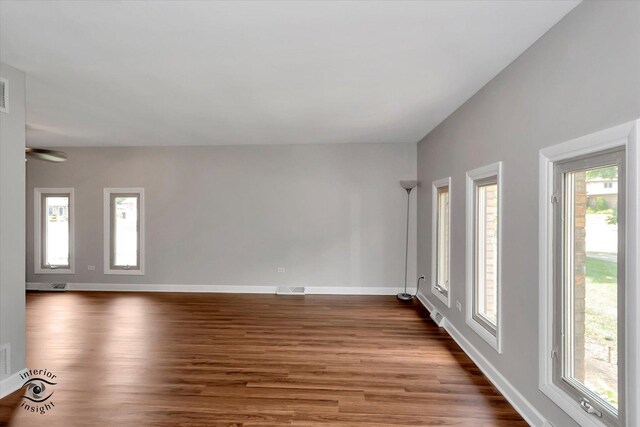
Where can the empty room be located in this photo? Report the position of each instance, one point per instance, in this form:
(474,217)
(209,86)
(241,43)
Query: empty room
(320,213)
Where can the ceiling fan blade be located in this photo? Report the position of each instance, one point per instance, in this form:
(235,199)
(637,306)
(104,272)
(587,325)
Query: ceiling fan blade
(46,155)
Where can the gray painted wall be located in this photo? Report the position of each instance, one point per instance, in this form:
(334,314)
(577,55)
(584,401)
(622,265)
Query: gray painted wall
(580,77)
(332,215)
(12,226)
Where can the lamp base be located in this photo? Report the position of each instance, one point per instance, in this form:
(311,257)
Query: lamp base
(404,296)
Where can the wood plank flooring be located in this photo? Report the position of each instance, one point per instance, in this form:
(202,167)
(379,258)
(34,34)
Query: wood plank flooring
(151,359)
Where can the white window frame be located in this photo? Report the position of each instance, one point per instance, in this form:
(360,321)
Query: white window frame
(38,236)
(625,135)
(479,174)
(445,298)
(107,231)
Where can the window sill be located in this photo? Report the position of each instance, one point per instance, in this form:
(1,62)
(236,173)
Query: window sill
(570,406)
(492,340)
(441,296)
(53,271)
(124,272)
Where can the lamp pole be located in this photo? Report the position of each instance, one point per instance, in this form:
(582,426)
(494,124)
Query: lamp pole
(408,186)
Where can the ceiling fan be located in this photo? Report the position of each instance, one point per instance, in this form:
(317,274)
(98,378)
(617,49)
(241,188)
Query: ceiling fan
(44,154)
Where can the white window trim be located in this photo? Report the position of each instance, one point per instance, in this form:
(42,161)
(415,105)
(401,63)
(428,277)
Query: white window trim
(444,182)
(37,229)
(494,169)
(107,231)
(625,135)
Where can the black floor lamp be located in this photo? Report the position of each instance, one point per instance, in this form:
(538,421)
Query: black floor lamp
(407,185)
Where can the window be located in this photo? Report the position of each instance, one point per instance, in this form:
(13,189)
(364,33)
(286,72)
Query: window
(483,252)
(124,231)
(440,249)
(588,276)
(589,284)
(53,226)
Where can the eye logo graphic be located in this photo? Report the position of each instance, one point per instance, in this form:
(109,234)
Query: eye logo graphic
(39,389)
(36,389)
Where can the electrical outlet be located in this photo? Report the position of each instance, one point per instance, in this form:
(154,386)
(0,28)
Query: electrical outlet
(281,270)
(459,305)
(91,267)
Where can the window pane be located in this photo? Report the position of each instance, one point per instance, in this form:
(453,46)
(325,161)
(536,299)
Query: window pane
(125,236)
(487,251)
(442,272)
(591,278)
(56,226)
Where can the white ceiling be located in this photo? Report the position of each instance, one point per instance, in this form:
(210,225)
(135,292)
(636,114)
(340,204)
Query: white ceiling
(105,73)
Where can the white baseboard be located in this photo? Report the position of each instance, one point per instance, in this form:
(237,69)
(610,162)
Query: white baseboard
(233,289)
(352,290)
(517,400)
(427,304)
(128,287)
(12,383)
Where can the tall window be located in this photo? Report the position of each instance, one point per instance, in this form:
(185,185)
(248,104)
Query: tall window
(440,237)
(589,291)
(53,226)
(483,252)
(589,276)
(124,230)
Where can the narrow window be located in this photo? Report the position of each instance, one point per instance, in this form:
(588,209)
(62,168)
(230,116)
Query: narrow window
(589,282)
(440,246)
(53,243)
(483,252)
(124,245)
(486,251)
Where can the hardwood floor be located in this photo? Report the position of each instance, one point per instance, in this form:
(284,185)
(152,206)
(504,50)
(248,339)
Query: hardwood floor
(151,359)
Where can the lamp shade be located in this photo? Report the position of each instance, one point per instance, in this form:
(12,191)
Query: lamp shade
(408,185)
